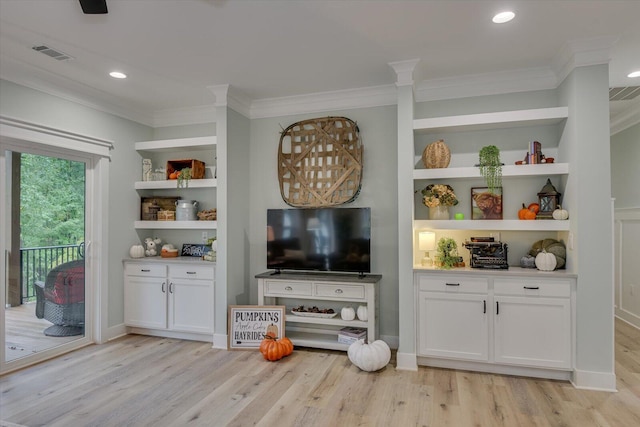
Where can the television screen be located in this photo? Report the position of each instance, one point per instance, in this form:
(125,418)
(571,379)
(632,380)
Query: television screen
(327,239)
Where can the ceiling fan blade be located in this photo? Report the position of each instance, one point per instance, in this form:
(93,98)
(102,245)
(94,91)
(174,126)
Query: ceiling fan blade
(94,7)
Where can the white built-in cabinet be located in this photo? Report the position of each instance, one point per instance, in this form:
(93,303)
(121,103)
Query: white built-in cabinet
(496,321)
(180,147)
(174,298)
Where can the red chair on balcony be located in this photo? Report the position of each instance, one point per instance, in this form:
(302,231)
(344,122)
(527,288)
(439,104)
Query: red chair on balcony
(60,299)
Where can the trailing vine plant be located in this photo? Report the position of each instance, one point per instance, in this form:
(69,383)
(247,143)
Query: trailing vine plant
(491,167)
(183,178)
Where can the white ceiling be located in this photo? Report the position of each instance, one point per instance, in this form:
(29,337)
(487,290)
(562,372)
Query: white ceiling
(174,50)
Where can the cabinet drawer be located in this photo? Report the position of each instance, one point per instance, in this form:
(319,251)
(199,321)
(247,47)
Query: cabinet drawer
(340,291)
(191,272)
(453,284)
(533,287)
(147,270)
(273,288)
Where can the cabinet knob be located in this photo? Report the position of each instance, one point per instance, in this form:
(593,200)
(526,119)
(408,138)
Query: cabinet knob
(171,287)
(288,288)
(163,283)
(338,291)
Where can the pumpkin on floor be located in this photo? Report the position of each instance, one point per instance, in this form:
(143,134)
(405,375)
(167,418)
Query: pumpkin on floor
(369,357)
(273,349)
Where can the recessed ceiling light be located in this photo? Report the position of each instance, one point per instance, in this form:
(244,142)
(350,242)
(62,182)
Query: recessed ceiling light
(634,74)
(503,17)
(118,75)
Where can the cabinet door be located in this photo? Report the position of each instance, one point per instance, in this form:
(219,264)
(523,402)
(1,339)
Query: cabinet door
(191,305)
(453,325)
(532,331)
(145,302)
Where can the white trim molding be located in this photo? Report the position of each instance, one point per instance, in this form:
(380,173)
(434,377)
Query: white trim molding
(625,309)
(599,381)
(627,118)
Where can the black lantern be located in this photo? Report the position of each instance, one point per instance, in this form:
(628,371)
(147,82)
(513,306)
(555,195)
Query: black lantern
(548,199)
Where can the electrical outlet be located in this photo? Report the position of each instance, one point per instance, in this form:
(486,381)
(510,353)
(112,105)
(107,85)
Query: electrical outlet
(205,236)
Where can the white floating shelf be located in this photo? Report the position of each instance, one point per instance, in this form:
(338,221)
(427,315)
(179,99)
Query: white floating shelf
(326,341)
(507,171)
(172,184)
(503,119)
(197,143)
(504,224)
(176,225)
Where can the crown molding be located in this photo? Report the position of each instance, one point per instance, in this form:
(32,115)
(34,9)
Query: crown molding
(580,53)
(629,117)
(486,84)
(184,116)
(27,75)
(404,71)
(374,96)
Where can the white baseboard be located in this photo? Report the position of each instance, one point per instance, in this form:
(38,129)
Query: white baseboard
(220,341)
(406,362)
(599,381)
(628,317)
(117,331)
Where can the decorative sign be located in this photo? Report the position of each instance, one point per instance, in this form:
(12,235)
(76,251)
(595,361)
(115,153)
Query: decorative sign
(248,324)
(195,249)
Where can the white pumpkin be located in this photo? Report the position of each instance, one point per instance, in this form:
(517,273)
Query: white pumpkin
(362,313)
(136,251)
(347,313)
(546,261)
(369,357)
(560,213)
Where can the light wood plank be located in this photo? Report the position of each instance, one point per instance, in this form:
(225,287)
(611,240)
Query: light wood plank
(138,380)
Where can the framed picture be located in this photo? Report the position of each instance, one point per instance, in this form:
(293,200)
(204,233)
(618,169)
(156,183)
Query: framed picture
(248,324)
(195,249)
(485,204)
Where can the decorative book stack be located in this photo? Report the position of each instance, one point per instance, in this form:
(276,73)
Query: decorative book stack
(349,335)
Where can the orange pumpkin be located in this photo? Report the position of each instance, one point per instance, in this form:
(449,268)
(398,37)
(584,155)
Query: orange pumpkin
(535,207)
(288,344)
(272,349)
(526,213)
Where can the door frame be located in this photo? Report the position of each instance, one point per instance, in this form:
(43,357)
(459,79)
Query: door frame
(29,137)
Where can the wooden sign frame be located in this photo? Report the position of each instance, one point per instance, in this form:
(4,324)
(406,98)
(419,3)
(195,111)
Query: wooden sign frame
(247,324)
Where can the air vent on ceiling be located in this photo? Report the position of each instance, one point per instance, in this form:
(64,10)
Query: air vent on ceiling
(55,54)
(623,93)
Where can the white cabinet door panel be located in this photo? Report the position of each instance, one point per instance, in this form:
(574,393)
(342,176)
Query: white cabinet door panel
(453,325)
(145,302)
(191,306)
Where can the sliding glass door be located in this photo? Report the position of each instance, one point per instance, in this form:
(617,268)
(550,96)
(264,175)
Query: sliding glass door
(44,240)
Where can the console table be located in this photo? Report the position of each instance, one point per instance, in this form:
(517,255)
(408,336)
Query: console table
(324,290)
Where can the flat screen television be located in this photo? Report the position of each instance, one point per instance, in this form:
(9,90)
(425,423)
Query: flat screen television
(325,239)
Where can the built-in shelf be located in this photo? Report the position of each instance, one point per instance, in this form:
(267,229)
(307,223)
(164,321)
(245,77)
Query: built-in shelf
(507,171)
(498,120)
(172,184)
(197,143)
(176,225)
(304,339)
(504,224)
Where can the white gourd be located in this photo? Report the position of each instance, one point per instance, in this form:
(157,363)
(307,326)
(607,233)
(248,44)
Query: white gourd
(560,213)
(362,313)
(347,313)
(369,357)
(136,251)
(546,261)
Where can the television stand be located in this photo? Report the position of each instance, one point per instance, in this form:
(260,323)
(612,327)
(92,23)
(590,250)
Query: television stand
(323,290)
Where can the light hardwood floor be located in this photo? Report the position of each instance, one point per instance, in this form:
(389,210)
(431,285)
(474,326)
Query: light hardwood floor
(147,381)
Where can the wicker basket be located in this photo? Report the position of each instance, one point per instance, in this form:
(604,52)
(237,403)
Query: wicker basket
(320,162)
(436,155)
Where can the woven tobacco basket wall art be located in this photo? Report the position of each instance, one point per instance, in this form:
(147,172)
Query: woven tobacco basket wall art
(320,162)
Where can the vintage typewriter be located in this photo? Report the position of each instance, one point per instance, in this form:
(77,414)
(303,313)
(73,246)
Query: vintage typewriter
(487,253)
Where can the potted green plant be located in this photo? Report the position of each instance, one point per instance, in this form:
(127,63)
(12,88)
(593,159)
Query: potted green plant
(447,253)
(491,167)
(183,178)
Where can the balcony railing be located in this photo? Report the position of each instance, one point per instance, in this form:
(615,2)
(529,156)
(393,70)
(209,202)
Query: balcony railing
(35,263)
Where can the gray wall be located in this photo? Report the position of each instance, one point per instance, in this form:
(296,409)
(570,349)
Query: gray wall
(625,167)
(379,183)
